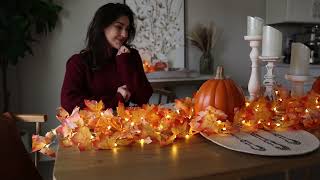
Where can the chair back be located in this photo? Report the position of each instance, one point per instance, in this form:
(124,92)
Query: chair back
(38,119)
(170,95)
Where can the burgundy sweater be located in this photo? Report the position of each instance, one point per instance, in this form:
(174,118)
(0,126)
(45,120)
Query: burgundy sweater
(81,82)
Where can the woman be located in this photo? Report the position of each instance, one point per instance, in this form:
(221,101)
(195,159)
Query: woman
(107,69)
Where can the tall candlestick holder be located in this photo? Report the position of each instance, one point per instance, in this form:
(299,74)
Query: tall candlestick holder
(254,81)
(269,78)
(297,84)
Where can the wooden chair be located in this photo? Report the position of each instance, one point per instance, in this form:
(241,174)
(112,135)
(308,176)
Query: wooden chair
(171,96)
(37,119)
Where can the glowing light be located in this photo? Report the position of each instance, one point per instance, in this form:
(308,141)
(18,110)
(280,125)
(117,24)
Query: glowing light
(307,111)
(174,151)
(275,109)
(126,119)
(282,118)
(115,144)
(247,104)
(259,122)
(132,123)
(187,136)
(219,122)
(223,129)
(280,100)
(277,92)
(168,116)
(268,123)
(141,141)
(178,111)
(160,127)
(318,106)
(278,124)
(109,127)
(256,109)
(243,121)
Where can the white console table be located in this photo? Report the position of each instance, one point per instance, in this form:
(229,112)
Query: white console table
(173,82)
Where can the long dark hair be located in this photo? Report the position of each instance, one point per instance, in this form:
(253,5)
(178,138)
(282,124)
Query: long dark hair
(97,47)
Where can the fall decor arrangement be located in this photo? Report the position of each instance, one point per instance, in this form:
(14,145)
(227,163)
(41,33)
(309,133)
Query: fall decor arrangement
(97,128)
(204,37)
(316,85)
(221,93)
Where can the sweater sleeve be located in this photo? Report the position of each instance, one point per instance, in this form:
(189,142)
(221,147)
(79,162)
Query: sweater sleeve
(130,69)
(75,88)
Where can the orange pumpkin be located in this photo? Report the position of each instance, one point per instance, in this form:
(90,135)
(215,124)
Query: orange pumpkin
(316,85)
(221,93)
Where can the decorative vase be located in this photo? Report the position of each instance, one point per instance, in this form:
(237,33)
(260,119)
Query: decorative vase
(206,63)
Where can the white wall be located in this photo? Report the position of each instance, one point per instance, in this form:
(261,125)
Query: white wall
(40,76)
(230,17)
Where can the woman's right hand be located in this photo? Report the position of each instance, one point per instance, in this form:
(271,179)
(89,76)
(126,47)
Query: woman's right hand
(123,49)
(123,90)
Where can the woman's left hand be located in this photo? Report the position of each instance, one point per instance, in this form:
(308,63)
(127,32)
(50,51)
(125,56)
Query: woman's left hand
(123,49)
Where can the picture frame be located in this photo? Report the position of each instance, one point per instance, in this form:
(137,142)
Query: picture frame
(160,29)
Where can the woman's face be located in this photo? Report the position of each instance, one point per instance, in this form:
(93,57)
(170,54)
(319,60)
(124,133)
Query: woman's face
(117,33)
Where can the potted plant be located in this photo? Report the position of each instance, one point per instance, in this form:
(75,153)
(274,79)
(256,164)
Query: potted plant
(20,22)
(204,38)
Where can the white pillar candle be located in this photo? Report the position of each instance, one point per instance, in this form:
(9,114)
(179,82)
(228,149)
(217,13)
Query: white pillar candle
(299,61)
(254,26)
(271,42)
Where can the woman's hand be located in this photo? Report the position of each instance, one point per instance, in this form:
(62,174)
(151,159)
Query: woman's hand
(124,92)
(123,49)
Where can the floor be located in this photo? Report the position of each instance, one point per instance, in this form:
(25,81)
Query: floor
(46,171)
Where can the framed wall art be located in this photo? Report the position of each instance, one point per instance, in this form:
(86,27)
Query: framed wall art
(160,29)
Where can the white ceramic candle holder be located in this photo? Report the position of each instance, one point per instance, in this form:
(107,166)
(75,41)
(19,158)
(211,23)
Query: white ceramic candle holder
(297,84)
(269,78)
(254,81)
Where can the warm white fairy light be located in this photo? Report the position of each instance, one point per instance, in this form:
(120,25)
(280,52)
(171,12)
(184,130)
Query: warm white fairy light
(268,123)
(280,99)
(278,124)
(141,141)
(160,127)
(277,92)
(126,119)
(168,116)
(259,122)
(115,144)
(243,121)
(306,111)
(224,129)
(282,118)
(132,123)
(219,122)
(187,136)
(247,104)
(275,109)
(109,127)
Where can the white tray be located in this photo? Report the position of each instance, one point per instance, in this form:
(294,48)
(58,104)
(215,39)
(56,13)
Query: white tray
(266,143)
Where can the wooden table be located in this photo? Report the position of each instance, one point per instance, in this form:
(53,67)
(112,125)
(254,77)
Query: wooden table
(173,82)
(195,158)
